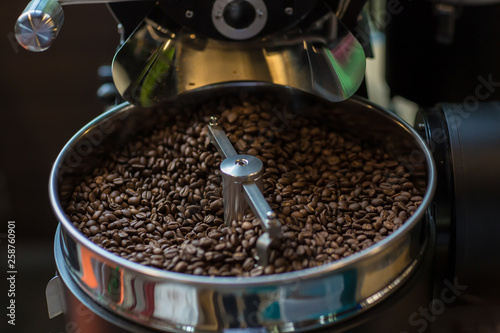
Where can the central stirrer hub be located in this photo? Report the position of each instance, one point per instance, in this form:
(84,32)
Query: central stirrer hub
(242,187)
(238,170)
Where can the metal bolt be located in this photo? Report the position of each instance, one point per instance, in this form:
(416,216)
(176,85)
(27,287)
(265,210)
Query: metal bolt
(271,215)
(214,121)
(241,162)
(289,11)
(259,12)
(189,13)
(121,32)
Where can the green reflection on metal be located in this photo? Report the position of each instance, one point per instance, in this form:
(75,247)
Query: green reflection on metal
(354,61)
(157,69)
(114,283)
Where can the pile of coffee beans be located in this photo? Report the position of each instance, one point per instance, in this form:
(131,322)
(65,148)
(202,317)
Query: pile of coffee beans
(158,200)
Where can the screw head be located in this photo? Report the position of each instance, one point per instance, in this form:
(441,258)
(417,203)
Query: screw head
(271,215)
(241,162)
(214,121)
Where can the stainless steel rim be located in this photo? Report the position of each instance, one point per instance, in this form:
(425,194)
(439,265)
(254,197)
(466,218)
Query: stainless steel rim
(231,283)
(125,324)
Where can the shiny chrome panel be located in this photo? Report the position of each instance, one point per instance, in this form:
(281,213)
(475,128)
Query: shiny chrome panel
(286,302)
(53,294)
(156,64)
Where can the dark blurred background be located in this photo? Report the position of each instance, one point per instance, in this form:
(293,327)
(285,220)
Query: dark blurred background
(46,98)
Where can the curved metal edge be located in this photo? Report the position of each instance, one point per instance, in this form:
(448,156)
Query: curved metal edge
(123,321)
(149,69)
(69,285)
(229,281)
(222,284)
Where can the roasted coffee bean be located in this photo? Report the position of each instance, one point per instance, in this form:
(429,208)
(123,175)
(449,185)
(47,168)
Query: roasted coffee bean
(94,230)
(401,198)
(220,247)
(158,199)
(257,271)
(247,225)
(215,235)
(184,192)
(216,205)
(134,201)
(248,264)
(280,262)
(180,267)
(354,207)
(239,256)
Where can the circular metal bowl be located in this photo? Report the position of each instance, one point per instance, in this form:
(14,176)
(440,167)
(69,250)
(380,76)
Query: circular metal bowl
(294,301)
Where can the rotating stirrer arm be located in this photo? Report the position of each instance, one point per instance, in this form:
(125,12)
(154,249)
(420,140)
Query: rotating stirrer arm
(242,187)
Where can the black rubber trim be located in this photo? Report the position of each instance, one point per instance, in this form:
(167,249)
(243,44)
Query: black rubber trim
(432,126)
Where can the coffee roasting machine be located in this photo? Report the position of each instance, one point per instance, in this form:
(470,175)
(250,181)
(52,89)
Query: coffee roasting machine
(438,273)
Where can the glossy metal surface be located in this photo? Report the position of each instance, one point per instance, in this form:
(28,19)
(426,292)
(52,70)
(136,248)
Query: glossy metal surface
(390,316)
(268,220)
(288,302)
(39,24)
(53,294)
(219,139)
(242,187)
(156,64)
(250,31)
(261,209)
(235,173)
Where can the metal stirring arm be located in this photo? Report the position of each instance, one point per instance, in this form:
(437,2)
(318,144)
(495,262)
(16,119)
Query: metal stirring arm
(219,139)
(242,187)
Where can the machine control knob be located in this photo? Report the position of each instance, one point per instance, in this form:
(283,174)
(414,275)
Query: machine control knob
(39,24)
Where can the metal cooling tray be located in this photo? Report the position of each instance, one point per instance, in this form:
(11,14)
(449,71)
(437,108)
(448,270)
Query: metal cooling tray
(288,302)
